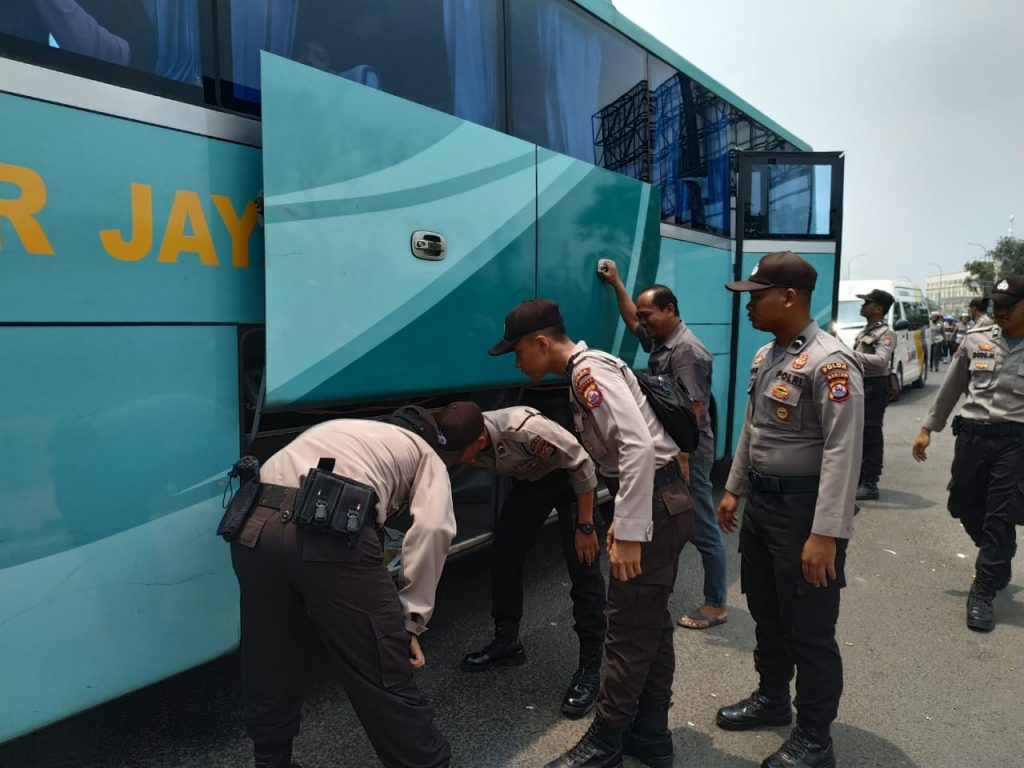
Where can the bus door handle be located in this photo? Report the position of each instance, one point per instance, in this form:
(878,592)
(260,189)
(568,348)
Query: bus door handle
(428,245)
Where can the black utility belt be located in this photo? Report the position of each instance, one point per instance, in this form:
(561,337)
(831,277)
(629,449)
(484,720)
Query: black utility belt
(667,474)
(335,505)
(992,429)
(773,484)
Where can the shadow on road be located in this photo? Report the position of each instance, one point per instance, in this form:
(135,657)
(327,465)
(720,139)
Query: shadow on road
(896,500)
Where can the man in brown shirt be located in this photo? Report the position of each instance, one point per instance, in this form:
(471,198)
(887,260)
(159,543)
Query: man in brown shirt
(293,578)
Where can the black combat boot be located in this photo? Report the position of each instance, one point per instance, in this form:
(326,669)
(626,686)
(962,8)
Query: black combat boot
(981,616)
(581,695)
(649,740)
(504,650)
(599,748)
(803,749)
(867,491)
(756,710)
(274,755)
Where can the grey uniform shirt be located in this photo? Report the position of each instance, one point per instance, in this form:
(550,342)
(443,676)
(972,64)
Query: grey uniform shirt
(402,469)
(683,357)
(874,347)
(989,373)
(621,433)
(982,322)
(527,445)
(805,417)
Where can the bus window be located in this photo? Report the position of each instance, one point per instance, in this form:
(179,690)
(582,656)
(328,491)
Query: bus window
(444,54)
(790,200)
(158,38)
(577,86)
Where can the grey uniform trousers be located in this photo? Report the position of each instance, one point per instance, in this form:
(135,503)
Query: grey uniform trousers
(292,581)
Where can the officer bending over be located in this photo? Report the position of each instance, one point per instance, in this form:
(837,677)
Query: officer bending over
(296,577)
(797,463)
(873,349)
(653,520)
(986,492)
(549,469)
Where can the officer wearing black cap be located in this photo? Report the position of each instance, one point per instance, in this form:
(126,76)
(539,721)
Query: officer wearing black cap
(986,491)
(296,578)
(797,463)
(874,349)
(653,520)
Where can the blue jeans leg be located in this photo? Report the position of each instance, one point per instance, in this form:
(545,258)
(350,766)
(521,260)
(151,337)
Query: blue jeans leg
(707,536)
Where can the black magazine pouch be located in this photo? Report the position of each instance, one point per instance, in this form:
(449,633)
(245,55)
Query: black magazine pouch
(247,470)
(335,505)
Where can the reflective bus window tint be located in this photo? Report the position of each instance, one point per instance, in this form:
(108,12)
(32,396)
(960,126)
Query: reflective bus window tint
(790,200)
(445,54)
(156,37)
(565,68)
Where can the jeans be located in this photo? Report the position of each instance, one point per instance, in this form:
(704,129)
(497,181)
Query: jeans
(707,536)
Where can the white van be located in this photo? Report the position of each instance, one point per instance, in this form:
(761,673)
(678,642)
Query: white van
(908,317)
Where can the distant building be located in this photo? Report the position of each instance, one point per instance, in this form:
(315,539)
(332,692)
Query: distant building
(948,292)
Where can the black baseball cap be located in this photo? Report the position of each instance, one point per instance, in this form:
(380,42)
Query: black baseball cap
(879,297)
(782,269)
(458,425)
(1008,290)
(532,315)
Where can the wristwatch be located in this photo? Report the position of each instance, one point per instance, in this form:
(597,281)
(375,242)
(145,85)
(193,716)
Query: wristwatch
(587,528)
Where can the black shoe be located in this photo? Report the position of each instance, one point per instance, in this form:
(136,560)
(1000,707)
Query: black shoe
(803,750)
(497,653)
(755,711)
(981,617)
(653,750)
(277,755)
(590,752)
(581,695)
(867,491)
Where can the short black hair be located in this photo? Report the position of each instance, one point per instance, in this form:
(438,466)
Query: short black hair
(979,303)
(805,296)
(553,332)
(662,296)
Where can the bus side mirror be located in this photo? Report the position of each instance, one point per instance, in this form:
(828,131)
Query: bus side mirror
(901,325)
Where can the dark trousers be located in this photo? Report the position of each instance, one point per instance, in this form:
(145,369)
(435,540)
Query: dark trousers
(876,398)
(986,493)
(522,517)
(795,621)
(935,354)
(290,582)
(638,651)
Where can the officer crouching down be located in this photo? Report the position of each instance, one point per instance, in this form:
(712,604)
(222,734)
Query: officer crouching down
(986,491)
(309,554)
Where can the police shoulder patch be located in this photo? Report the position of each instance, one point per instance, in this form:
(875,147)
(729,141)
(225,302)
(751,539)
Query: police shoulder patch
(586,387)
(541,447)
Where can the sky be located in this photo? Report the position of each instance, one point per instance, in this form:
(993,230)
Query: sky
(925,97)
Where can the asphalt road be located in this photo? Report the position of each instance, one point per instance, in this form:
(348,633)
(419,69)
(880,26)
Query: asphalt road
(921,689)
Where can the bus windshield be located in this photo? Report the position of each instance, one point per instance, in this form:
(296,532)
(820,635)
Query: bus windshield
(849,315)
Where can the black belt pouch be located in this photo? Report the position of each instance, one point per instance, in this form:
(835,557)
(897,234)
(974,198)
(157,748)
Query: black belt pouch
(247,470)
(332,504)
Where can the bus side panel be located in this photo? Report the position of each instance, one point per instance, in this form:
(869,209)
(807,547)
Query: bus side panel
(585,214)
(751,340)
(115,444)
(111,220)
(697,274)
(352,313)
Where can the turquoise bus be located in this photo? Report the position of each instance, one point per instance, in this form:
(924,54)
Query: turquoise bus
(223,221)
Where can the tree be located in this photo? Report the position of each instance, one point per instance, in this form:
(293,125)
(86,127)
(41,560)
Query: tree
(1007,257)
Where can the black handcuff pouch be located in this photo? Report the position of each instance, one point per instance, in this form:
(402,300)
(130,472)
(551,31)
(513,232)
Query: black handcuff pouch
(335,505)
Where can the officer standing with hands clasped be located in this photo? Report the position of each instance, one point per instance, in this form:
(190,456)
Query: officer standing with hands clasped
(677,352)
(549,468)
(986,491)
(873,349)
(653,521)
(797,463)
(328,573)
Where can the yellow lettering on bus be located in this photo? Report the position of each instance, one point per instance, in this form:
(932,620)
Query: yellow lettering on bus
(239,228)
(21,210)
(187,210)
(142,228)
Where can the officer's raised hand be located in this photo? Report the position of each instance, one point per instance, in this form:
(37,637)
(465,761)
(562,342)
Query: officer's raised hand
(624,556)
(819,559)
(727,512)
(416,657)
(920,446)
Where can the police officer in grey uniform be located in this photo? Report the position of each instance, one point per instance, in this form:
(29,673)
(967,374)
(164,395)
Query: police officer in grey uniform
(653,521)
(293,579)
(549,469)
(977,308)
(986,491)
(797,463)
(874,348)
